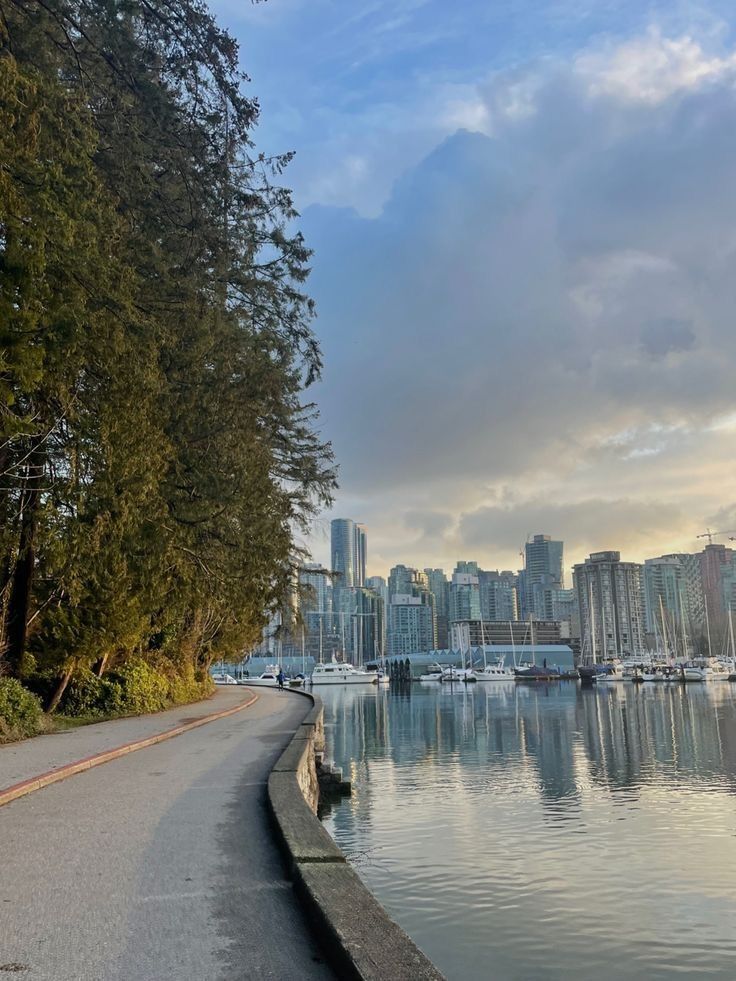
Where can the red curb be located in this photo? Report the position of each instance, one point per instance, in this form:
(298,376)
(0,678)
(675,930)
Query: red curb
(17,790)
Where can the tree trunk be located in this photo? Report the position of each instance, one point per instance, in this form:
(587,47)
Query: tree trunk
(22,580)
(101,665)
(59,690)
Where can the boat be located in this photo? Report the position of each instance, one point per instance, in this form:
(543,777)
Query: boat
(536,673)
(612,671)
(382,675)
(224,679)
(341,673)
(459,675)
(706,670)
(495,672)
(269,678)
(433,674)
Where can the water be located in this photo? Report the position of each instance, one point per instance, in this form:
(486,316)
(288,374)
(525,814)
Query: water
(548,832)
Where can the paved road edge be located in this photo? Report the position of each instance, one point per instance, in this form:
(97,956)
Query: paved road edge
(16,790)
(359,938)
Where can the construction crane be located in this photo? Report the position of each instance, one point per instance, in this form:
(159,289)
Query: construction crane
(710,535)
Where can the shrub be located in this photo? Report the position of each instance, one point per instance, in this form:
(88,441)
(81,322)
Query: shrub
(20,711)
(88,695)
(142,688)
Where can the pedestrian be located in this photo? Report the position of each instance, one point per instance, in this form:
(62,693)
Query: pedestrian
(280,679)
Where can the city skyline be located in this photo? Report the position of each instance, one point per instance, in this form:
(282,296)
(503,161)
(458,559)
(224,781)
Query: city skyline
(514,211)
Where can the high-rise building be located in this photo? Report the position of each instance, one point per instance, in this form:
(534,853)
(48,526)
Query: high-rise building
(543,575)
(400,581)
(611,604)
(410,627)
(716,575)
(464,595)
(665,596)
(361,554)
(498,599)
(440,589)
(343,551)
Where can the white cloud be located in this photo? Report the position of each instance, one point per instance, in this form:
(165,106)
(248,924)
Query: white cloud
(652,68)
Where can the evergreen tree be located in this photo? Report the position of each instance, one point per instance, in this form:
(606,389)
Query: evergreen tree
(156,451)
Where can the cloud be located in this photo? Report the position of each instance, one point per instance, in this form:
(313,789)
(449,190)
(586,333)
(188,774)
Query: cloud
(653,68)
(529,294)
(596,524)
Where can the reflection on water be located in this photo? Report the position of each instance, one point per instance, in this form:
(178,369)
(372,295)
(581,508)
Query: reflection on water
(533,832)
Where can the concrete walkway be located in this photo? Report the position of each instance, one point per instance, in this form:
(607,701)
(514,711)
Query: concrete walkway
(29,758)
(157,866)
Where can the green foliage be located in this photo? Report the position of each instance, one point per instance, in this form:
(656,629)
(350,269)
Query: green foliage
(156,450)
(20,711)
(89,696)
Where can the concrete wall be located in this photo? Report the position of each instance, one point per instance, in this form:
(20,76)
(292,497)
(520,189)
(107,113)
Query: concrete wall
(355,932)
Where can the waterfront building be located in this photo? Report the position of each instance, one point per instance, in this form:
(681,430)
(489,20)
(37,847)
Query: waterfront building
(440,589)
(544,575)
(464,594)
(517,633)
(343,551)
(361,554)
(498,597)
(665,596)
(401,580)
(410,626)
(717,577)
(614,624)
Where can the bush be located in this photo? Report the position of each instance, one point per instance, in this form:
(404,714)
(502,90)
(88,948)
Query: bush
(20,711)
(88,695)
(142,688)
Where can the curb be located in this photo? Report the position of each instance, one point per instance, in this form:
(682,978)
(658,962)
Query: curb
(16,790)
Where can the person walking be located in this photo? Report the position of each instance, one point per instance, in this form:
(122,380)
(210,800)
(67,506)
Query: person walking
(280,679)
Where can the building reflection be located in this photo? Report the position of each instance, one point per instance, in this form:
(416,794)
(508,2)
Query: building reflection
(559,739)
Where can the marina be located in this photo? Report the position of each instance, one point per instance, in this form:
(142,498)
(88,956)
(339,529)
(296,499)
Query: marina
(555,831)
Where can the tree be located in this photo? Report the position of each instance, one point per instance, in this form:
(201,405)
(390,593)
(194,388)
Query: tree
(156,449)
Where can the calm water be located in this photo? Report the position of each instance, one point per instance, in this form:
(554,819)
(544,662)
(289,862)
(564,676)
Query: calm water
(546,832)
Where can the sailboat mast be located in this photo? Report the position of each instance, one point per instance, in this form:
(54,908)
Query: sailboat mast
(730,631)
(591,620)
(664,629)
(707,626)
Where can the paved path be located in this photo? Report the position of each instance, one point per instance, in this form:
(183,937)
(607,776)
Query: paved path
(29,758)
(157,866)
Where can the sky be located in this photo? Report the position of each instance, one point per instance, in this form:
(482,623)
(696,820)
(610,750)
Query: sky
(523,216)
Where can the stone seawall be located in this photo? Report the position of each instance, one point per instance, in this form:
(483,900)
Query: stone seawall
(357,935)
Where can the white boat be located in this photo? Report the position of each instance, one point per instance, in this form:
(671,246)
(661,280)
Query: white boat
(433,673)
(459,675)
(707,671)
(224,679)
(382,676)
(614,671)
(269,678)
(339,673)
(495,672)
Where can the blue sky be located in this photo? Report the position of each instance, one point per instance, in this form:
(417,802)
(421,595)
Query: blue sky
(523,216)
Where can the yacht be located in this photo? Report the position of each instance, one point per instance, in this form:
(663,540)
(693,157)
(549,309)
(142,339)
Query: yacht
(459,675)
(705,671)
(433,673)
(495,672)
(269,678)
(612,671)
(382,675)
(339,673)
(224,679)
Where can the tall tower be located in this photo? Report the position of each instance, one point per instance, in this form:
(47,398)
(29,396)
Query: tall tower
(614,624)
(543,575)
(343,551)
(361,554)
